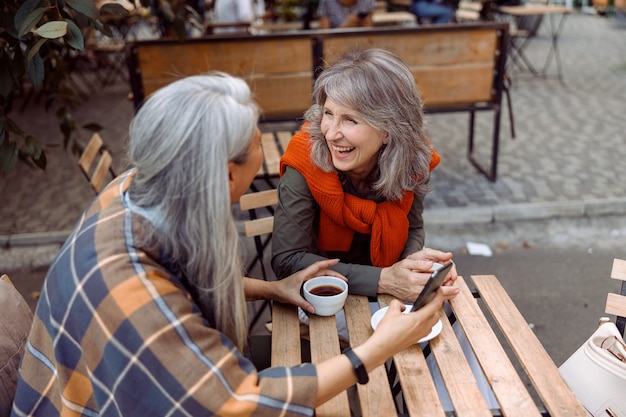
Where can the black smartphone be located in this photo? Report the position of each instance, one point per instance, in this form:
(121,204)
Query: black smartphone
(434,282)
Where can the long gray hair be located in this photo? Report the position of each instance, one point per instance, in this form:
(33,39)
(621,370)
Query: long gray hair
(181,141)
(381,88)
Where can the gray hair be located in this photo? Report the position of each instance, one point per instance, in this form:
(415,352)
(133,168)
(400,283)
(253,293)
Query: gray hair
(181,141)
(381,88)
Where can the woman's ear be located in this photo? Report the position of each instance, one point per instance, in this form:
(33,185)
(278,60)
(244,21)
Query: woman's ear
(231,179)
(385,138)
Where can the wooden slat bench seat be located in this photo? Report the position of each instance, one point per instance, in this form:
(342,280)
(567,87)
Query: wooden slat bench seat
(457,67)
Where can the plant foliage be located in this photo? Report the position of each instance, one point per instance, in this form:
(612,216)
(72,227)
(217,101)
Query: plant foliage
(36,39)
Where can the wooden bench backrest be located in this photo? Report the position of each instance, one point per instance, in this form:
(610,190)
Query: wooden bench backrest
(452,68)
(278,69)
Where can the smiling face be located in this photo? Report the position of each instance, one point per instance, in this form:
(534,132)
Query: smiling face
(354,145)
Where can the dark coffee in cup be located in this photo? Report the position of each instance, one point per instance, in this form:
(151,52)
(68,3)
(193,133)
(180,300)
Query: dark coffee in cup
(326,290)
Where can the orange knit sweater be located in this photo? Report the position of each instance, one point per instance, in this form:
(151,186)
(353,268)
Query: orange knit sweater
(343,214)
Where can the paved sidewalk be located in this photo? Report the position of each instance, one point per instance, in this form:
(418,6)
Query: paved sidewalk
(567,159)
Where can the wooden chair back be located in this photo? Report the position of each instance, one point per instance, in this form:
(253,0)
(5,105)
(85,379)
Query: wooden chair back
(278,69)
(257,200)
(95,162)
(451,70)
(275,138)
(257,227)
(616,303)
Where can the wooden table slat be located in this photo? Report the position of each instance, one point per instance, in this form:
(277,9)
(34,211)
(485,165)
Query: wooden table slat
(375,396)
(418,388)
(543,373)
(506,384)
(286,350)
(458,378)
(325,345)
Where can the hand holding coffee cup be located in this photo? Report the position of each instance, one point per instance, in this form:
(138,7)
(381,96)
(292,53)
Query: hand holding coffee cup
(327,294)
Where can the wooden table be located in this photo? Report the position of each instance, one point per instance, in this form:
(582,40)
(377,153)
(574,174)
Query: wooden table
(417,387)
(555,15)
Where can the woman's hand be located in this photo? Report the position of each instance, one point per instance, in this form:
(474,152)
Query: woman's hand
(406,278)
(398,331)
(405,329)
(287,290)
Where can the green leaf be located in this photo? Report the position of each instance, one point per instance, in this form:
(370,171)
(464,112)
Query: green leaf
(30,21)
(32,147)
(115,9)
(8,156)
(12,127)
(35,48)
(74,37)
(52,30)
(41,161)
(24,10)
(86,7)
(36,70)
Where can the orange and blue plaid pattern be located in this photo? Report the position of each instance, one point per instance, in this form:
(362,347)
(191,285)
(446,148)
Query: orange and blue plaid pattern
(116,334)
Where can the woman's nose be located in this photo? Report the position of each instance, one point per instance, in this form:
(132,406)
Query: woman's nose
(334,131)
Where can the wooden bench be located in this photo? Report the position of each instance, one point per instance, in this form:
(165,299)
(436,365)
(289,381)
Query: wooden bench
(457,67)
(278,67)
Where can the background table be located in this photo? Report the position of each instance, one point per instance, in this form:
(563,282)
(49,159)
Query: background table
(555,15)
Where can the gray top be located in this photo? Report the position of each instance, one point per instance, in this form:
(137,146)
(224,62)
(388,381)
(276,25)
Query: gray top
(294,241)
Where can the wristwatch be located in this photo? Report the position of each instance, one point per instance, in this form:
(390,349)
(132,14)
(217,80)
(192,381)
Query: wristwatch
(359,368)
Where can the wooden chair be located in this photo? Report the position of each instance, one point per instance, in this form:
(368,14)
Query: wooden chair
(95,162)
(616,303)
(257,227)
(275,137)
(16,319)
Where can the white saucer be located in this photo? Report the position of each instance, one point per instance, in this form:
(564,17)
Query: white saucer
(434,332)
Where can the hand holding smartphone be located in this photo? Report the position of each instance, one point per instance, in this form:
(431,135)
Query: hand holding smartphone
(435,281)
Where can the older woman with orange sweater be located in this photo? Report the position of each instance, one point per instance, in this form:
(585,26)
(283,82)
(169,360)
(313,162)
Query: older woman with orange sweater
(353,180)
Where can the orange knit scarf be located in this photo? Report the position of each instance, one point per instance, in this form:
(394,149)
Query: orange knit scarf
(343,214)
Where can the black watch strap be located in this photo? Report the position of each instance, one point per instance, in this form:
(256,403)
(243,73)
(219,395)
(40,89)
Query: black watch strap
(359,368)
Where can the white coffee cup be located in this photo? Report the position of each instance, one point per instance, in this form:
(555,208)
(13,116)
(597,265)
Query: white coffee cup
(327,294)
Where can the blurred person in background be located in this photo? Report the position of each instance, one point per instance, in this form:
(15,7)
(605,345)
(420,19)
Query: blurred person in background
(345,13)
(433,11)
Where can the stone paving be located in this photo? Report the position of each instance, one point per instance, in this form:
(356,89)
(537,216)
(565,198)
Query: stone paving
(567,158)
